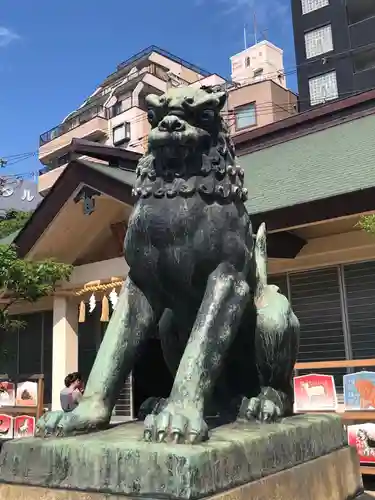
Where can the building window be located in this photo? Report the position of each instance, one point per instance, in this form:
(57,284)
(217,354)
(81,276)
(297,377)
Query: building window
(247,62)
(323,88)
(120,106)
(245,116)
(311,5)
(318,41)
(258,74)
(121,134)
(117,108)
(363,60)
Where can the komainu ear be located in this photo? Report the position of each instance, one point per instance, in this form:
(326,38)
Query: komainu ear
(153,101)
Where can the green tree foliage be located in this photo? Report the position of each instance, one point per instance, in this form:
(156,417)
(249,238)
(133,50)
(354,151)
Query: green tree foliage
(13,221)
(24,280)
(367,223)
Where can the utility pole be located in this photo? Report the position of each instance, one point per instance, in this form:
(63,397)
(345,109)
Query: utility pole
(255,27)
(244,37)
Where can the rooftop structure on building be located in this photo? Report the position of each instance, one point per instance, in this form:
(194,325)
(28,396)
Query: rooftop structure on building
(262,61)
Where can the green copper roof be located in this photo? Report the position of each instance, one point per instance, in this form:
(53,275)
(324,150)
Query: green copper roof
(333,161)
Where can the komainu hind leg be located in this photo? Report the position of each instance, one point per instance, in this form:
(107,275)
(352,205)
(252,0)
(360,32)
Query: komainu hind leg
(276,346)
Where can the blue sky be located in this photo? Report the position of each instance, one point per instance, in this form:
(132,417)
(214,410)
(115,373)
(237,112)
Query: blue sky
(53,54)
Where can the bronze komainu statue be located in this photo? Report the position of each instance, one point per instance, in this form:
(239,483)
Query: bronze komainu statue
(199,275)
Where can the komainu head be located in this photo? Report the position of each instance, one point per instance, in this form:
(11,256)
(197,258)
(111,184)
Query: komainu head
(189,138)
(184,120)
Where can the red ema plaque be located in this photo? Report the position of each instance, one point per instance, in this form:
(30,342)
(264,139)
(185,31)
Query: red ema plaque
(24,426)
(314,392)
(6,426)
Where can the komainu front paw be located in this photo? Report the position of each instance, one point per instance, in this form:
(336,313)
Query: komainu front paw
(177,424)
(47,424)
(269,406)
(87,417)
(259,409)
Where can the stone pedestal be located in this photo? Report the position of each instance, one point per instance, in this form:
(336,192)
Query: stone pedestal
(304,458)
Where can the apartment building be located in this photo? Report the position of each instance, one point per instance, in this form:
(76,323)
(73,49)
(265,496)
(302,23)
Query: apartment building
(335,49)
(115,113)
(257,93)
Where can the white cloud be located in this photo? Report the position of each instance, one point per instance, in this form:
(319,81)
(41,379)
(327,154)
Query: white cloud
(7,36)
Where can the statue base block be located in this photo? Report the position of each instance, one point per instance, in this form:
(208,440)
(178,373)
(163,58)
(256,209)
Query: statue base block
(303,458)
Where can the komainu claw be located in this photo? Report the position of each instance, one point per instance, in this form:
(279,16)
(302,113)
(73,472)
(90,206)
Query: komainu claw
(176,425)
(192,438)
(267,407)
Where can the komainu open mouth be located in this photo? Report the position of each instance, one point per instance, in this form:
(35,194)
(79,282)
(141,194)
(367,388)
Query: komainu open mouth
(174,151)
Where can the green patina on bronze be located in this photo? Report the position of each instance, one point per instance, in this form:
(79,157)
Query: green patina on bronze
(198,275)
(117,461)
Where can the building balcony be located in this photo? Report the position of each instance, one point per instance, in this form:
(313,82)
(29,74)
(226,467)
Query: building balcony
(91,123)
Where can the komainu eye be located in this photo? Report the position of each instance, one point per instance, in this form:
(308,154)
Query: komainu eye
(207,115)
(151,117)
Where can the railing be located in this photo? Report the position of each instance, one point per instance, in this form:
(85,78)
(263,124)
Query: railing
(85,116)
(153,48)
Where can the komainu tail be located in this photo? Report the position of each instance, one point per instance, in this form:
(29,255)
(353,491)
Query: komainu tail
(260,257)
(277,330)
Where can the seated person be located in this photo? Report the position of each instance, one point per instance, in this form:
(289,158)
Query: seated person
(71,395)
